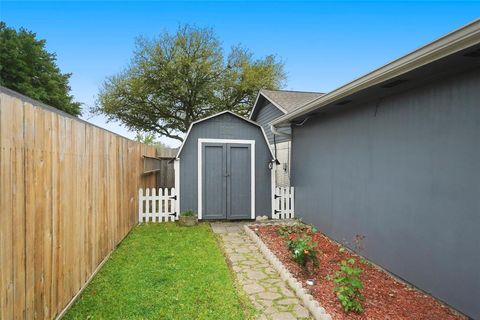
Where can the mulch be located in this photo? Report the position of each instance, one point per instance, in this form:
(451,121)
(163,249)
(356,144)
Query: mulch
(385,297)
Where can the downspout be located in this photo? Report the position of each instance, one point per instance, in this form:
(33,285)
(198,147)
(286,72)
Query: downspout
(277,133)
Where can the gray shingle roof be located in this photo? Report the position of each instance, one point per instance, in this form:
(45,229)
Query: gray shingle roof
(290,100)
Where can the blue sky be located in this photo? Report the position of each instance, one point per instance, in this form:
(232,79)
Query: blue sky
(323,44)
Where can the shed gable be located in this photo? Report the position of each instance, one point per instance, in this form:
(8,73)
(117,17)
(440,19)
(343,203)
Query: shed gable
(224,125)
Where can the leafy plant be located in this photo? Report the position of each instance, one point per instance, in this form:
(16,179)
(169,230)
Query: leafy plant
(312,228)
(284,231)
(304,251)
(188,213)
(348,285)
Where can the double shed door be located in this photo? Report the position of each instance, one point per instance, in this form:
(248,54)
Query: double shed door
(227,181)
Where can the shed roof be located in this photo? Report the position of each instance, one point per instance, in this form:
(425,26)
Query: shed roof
(219,114)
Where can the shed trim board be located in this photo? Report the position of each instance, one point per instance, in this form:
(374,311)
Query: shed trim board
(218,114)
(176,166)
(454,41)
(200,142)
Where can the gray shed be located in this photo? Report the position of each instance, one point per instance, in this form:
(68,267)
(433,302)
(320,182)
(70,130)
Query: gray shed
(224,169)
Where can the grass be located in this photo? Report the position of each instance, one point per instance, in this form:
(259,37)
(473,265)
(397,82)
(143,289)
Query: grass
(162,271)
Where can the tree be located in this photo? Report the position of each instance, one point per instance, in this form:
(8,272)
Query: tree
(27,67)
(150,139)
(178,78)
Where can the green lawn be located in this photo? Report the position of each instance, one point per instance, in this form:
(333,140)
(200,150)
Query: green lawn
(162,271)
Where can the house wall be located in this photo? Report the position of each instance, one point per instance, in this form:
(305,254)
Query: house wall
(266,114)
(405,172)
(225,126)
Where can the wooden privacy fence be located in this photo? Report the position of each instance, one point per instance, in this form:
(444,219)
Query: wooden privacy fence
(67,198)
(284,203)
(157,205)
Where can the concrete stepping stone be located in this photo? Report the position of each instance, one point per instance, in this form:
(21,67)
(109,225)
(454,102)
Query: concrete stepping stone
(269,294)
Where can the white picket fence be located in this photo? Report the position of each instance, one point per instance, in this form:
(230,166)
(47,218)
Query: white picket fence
(284,203)
(157,205)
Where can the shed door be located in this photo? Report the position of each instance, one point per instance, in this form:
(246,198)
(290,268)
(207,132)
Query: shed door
(214,187)
(227,181)
(239,181)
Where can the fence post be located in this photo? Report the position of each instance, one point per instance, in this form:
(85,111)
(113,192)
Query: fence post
(177,187)
(154,202)
(277,199)
(166,200)
(140,205)
(147,205)
(161,203)
(173,204)
(292,202)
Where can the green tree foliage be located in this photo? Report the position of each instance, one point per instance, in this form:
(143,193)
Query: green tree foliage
(178,78)
(150,139)
(27,67)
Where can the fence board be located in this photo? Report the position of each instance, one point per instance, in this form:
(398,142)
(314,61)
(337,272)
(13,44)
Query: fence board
(156,205)
(67,198)
(284,203)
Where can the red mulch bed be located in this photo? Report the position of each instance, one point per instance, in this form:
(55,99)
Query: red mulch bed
(385,297)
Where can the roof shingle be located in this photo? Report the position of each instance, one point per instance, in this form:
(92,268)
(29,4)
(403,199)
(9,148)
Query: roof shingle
(290,100)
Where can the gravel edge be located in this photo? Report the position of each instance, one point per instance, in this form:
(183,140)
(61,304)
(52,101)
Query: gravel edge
(317,311)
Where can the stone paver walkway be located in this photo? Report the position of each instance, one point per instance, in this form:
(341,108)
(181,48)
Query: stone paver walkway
(267,291)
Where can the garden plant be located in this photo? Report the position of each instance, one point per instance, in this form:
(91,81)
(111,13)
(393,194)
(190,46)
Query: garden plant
(348,285)
(300,243)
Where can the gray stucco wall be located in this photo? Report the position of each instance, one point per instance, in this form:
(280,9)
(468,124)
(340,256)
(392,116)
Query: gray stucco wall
(225,126)
(266,114)
(406,176)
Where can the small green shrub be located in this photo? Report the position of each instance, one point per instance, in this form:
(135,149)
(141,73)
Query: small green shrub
(284,231)
(311,228)
(304,251)
(347,286)
(188,213)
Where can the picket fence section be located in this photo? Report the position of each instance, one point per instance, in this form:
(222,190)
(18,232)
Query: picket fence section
(284,203)
(157,205)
